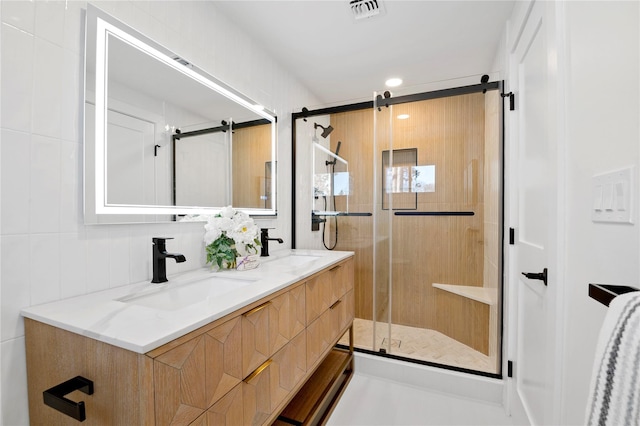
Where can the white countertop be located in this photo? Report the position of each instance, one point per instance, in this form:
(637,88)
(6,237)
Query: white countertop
(138,328)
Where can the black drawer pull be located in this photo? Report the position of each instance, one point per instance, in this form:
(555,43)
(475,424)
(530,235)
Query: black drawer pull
(335,304)
(55,397)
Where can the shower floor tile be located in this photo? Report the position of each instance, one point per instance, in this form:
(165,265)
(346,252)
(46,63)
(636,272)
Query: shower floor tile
(420,344)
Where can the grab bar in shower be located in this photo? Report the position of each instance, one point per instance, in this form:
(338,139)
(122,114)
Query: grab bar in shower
(412,213)
(332,213)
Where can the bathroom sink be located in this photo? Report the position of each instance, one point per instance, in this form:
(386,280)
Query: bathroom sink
(174,297)
(294,259)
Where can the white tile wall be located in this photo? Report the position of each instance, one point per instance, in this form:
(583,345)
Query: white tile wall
(46,252)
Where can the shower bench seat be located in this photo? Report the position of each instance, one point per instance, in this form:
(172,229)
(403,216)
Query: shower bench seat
(488,296)
(476,308)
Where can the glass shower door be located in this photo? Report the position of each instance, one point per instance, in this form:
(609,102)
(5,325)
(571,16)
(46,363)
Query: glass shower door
(437,214)
(382,228)
(420,206)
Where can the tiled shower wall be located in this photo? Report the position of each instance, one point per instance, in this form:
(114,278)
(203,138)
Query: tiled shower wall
(47,253)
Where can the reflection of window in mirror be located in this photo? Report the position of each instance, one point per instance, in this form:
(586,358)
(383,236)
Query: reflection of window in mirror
(322,185)
(341,183)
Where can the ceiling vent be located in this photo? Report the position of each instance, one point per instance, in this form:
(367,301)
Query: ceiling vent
(363,9)
(182,61)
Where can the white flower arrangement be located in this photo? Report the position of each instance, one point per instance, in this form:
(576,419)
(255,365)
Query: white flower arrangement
(228,235)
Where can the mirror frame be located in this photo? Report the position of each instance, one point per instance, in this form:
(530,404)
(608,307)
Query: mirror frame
(99,27)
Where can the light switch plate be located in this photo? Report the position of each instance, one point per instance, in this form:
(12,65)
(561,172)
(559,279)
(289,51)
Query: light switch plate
(613,196)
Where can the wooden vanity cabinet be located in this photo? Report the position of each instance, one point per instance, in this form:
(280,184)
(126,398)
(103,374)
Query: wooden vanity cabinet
(191,377)
(241,369)
(330,296)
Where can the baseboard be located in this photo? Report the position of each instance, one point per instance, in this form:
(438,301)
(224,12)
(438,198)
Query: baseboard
(434,379)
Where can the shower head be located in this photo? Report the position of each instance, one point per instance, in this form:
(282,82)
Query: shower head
(326,131)
(338,148)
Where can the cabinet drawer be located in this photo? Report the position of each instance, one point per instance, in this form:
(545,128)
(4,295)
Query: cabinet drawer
(343,313)
(266,388)
(342,278)
(319,335)
(269,327)
(325,289)
(325,330)
(255,338)
(318,296)
(191,377)
(228,411)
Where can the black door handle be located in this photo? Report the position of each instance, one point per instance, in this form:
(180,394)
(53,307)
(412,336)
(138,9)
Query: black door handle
(537,275)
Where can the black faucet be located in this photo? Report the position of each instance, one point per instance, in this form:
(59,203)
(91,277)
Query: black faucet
(160,259)
(264,241)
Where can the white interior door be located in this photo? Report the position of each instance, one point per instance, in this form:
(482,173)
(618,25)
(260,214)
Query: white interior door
(533,77)
(130,160)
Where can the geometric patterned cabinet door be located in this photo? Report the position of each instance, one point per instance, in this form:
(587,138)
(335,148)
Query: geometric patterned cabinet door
(342,279)
(182,391)
(255,338)
(324,289)
(228,411)
(286,317)
(266,389)
(288,368)
(320,334)
(319,296)
(269,327)
(344,311)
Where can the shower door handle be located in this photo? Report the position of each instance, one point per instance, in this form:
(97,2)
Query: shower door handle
(542,276)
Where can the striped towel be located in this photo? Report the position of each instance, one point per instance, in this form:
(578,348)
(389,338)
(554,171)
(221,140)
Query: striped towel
(614,397)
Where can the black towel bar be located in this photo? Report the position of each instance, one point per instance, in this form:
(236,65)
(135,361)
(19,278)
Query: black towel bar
(605,293)
(414,213)
(55,397)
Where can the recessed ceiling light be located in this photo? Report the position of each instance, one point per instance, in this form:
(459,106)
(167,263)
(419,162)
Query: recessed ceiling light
(403,116)
(393,82)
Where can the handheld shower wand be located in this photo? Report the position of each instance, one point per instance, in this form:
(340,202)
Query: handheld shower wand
(333,162)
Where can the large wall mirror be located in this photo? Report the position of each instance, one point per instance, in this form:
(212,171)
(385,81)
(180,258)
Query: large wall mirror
(164,139)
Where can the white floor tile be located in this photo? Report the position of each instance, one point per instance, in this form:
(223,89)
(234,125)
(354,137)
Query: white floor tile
(373,401)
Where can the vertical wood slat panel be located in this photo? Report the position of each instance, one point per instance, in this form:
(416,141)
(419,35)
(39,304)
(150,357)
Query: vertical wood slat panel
(251,149)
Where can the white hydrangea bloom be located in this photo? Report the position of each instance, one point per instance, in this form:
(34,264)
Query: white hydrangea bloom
(234,224)
(227,212)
